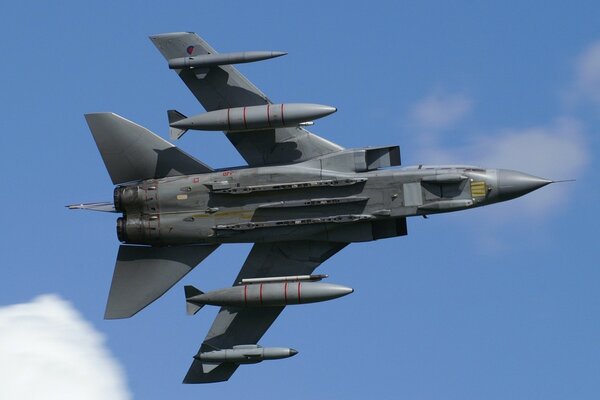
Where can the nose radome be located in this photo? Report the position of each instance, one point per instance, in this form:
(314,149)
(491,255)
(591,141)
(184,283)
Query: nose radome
(513,184)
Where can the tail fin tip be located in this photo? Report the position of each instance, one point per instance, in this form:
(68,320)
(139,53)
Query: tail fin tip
(191,291)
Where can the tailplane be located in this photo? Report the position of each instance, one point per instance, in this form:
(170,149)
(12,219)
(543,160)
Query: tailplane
(143,274)
(131,152)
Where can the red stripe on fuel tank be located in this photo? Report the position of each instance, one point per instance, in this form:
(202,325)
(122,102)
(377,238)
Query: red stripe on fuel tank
(299,284)
(261,293)
(228,120)
(245,125)
(285,292)
(282,120)
(245,295)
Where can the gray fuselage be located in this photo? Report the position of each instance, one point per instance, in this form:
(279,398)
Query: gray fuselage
(303,201)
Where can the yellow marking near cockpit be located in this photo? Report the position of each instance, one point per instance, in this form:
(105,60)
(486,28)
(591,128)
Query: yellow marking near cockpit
(478,189)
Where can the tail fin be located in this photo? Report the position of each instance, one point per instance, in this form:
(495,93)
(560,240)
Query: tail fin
(191,291)
(143,274)
(175,116)
(192,308)
(131,152)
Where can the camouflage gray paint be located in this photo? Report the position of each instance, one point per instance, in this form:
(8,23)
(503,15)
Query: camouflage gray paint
(304,201)
(300,200)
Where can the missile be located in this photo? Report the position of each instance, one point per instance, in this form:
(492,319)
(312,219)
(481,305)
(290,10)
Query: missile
(264,295)
(245,354)
(211,60)
(292,278)
(268,116)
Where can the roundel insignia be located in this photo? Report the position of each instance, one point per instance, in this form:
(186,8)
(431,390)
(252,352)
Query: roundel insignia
(190,50)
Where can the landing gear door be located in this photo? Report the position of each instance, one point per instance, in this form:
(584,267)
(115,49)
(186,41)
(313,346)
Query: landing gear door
(413,194)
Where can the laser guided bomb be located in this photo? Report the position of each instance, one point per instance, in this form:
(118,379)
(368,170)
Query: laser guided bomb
(267,292)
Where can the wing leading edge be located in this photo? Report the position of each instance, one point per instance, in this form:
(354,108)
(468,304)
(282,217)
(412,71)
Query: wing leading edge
(241,326)
(223,86)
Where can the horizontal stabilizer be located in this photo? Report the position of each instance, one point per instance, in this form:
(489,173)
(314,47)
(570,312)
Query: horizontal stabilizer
(190,292)
(175,116)
(143,274)
(131,152)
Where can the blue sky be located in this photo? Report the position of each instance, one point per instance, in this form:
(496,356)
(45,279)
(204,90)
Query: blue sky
(499,302)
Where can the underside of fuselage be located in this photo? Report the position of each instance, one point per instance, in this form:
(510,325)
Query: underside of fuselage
(297,202)
(300,200)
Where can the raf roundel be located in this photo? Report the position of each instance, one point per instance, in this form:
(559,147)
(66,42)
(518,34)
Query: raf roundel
(190,50)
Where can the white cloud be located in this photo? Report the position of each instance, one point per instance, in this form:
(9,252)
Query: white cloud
(588,72)
(556,151)
(439,111)
(48,351)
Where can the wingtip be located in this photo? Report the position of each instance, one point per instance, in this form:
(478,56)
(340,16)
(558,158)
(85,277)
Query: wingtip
(167,35)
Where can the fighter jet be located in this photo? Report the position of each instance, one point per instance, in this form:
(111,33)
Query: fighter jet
(300,200)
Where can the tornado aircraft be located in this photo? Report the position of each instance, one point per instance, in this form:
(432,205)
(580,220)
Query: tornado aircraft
(300,199)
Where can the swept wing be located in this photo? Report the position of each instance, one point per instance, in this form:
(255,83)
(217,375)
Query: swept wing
(243,326)
(223,86)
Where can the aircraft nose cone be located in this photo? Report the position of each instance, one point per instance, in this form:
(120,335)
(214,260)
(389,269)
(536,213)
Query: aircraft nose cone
(513,184)
(293,352)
